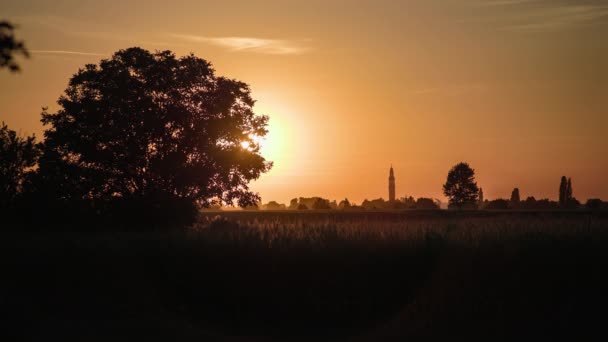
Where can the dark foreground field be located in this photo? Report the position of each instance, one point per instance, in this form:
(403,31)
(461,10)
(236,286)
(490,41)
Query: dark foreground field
(259,276)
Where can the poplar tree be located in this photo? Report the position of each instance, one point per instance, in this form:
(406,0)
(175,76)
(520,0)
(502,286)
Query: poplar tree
(562,191)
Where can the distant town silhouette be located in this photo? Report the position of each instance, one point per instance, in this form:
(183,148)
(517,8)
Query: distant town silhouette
(474,201)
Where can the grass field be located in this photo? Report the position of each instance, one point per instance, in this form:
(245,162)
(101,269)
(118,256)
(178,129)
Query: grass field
(362,276)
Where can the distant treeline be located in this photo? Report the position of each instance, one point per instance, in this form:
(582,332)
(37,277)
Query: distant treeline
(462,191)
(530,203)
(319,203)
(463,194)
(422,203)
(566,201)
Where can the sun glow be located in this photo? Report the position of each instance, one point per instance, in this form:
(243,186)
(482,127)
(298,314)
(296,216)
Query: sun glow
(253,142)
(287,142)
(273,145)
(246,145)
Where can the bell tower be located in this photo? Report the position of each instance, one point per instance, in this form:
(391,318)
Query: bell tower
(391,185)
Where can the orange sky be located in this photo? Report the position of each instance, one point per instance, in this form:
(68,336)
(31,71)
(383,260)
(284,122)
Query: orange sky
(517,88)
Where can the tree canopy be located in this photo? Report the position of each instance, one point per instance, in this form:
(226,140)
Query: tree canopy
(145,125)
(17,156)
(514,202)
(566,198)
(460,186)
(10,46)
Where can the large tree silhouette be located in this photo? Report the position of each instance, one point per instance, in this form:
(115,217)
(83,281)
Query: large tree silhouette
(151,126)
(10,46)
(460,186)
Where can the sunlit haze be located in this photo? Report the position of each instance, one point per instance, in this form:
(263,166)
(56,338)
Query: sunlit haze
(516,88)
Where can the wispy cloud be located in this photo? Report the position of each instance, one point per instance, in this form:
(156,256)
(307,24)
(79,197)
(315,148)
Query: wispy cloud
(426,91)
(67,52)
(503,2)
(251,44)
(544,15)
(452,90)
(100,31)
(559,17)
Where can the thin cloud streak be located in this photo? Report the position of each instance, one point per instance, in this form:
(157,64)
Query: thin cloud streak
(426,91)
(67,52)
(251,44)
(555,18)
(504,2)
(529,16)
(455,90)
(100,32)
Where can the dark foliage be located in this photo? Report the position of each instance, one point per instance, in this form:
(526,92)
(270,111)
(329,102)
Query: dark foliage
(321,204)
(17,156)
(563,190)
(426,203)
(596,204)
(543,204)
(497,204)
(460,186)
(528,204)
(515,198)
(274,205)
(344,204)
(546,204)
(569,190)
(316,203)
(10,46)
(566,198)
(378,203)
(142,130)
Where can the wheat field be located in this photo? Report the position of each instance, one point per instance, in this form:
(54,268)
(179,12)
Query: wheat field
(277,276)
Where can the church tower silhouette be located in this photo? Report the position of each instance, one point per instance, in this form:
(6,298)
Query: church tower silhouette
(391,185)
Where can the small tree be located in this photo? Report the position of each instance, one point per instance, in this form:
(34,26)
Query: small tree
(460,186)
(293,204)
(497,204)
(426,203)
(274,205)
(529,203)
(9,47)
(321,204)
(409,202)
(595,204)
(566,198)
(17,156)
(344,204)
(515,198)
